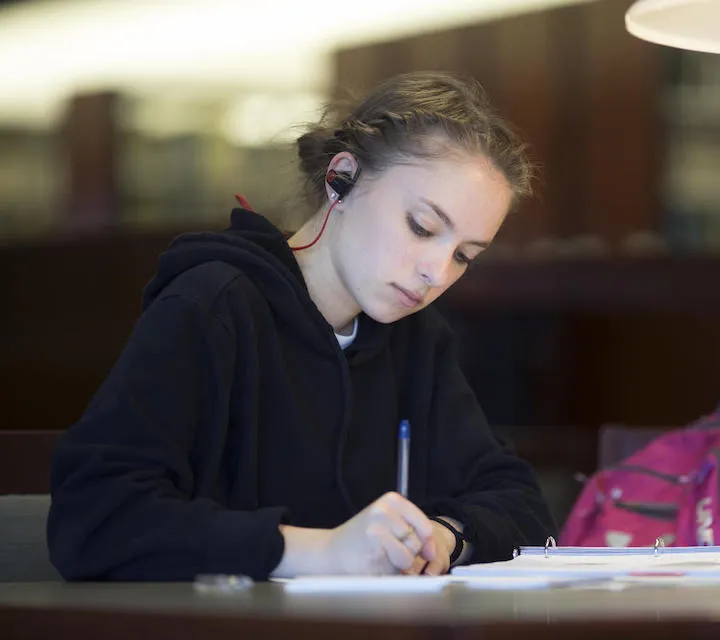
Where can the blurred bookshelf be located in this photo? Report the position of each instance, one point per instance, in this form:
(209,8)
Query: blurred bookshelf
(107,166)
(31,181)
(691,189)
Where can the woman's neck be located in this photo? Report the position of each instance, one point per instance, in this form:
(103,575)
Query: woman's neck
(324,285)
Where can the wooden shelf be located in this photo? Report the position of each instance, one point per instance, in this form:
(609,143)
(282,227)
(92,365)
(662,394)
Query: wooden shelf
(664,284)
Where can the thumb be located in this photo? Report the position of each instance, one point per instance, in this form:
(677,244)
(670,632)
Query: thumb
(438,566)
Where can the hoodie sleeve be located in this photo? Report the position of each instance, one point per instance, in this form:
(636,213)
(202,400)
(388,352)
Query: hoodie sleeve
(124,502)
(474,477)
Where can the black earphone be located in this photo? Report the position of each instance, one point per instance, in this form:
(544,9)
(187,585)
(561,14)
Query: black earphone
(341,183)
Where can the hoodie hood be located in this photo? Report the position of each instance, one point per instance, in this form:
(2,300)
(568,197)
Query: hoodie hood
(251,243)
(258,249)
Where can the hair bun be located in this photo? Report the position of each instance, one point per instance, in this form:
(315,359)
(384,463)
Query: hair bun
(310,146)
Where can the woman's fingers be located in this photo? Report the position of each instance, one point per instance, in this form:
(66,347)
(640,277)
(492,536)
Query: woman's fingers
(412,515)
(418,567)
(404,532)
(407,523)
(438,567)
(396,553)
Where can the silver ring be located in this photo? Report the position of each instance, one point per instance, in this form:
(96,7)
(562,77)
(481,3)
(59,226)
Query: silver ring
(403,538)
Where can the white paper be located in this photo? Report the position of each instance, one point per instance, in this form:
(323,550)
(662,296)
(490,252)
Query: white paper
(366,584)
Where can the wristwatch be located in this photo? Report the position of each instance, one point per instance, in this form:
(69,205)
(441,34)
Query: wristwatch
(459,538)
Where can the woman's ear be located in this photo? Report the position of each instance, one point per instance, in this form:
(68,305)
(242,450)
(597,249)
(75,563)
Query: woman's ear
(341,175)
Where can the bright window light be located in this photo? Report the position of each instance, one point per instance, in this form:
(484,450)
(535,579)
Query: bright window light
(58,48)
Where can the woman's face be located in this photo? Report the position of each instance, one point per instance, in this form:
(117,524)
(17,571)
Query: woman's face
(407,234)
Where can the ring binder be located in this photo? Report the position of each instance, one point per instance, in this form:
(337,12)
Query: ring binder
(554,566)
(548,543)
(551,549)
(659,544)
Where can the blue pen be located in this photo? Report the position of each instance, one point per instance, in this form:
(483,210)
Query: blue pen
(403,466)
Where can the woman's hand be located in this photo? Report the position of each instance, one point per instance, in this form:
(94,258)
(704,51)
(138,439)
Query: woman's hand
(440,564)
(389,536)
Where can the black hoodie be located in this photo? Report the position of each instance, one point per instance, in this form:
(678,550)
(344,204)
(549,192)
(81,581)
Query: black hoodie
(232,409)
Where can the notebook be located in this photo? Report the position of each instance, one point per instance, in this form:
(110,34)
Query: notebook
(620,564)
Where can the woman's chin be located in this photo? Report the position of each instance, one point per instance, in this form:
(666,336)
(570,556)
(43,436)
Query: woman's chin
(387,314)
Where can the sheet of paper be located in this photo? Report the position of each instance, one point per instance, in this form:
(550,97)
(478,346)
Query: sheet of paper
(424,584)
(366,584)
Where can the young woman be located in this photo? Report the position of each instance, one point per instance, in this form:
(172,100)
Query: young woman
(250,425)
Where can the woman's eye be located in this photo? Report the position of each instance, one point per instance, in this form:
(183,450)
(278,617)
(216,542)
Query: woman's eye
(417,228)
(461,258)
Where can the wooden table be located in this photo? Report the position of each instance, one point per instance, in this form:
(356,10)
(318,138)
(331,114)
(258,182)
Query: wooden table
(176,612)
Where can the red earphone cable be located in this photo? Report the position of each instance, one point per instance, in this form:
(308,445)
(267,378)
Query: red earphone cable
(327,217)
(246,205)
(242,201)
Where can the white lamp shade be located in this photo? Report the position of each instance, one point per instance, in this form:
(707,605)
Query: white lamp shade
(685,24)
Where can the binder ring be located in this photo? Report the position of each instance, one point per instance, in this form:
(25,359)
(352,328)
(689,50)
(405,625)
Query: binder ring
(550,542)
(659,544)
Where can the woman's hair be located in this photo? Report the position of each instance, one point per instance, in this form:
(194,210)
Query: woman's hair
(410,116)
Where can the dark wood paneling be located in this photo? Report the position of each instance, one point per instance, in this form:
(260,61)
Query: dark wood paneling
(625,133)
(90,140)
(70,307)
(25,460)
(527,96)
(652,368)
(566,165)
(592,341)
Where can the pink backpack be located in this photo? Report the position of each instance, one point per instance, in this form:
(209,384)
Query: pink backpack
(668,489)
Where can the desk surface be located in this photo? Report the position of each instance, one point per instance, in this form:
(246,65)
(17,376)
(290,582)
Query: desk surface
(152,610)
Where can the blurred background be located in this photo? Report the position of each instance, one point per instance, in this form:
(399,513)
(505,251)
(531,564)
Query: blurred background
(126,122)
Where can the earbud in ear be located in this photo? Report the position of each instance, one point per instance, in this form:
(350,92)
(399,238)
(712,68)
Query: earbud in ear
(341,183)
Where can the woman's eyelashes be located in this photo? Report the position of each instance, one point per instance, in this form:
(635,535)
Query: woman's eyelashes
(461,258)
(417,228)
(422,232)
